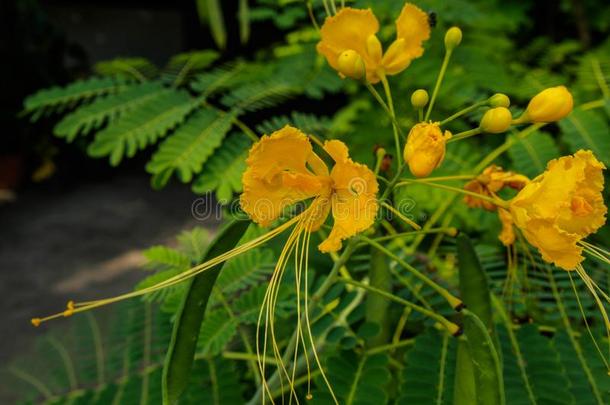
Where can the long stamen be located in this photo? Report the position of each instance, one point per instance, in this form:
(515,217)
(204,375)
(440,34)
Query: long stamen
(591,285)
(308,326)
(76,307)
(584,317)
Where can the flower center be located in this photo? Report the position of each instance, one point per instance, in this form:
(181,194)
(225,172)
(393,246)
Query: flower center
(580,206)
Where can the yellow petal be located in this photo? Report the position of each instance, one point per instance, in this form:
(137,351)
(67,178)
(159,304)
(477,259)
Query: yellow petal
(349,29)
(354,200)
(337,150)
(277,175)
(412,29)
(507,235)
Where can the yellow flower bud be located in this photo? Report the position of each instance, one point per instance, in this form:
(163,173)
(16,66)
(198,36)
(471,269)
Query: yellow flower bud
(419,98)
(425,148)
(351,64)
(499,100)
(496,120)
(453,37)
(549,105)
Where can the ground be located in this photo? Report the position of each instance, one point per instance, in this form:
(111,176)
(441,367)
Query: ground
(81,243)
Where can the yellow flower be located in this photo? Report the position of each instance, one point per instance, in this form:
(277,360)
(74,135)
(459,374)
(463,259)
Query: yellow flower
(489,183)
(559,208)
(425,148)
(352,32)
(549,105)
(283,169)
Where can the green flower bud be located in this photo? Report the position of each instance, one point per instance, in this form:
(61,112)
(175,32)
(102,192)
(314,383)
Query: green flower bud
(499,100)
(496,120)
(419,98)
(453,37)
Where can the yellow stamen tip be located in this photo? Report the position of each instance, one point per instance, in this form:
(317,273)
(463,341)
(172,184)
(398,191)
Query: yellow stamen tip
(309,397)
(70,305)
(36,322)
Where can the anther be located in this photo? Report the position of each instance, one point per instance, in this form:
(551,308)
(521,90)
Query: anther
(36,322)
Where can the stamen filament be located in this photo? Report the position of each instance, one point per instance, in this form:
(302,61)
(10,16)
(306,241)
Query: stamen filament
(496,201)
(399,214)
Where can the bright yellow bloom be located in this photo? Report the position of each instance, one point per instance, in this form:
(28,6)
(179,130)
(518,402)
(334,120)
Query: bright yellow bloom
(489,183)
(353,32)
(283,169)
(559,208)
(425,148)
(550,105)
(496,120)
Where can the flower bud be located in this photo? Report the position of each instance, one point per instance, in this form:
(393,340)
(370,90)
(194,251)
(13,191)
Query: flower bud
(496,120)
(453,37)
(499,100)
(419,98)
(425,148)
(350,64)
(549,105)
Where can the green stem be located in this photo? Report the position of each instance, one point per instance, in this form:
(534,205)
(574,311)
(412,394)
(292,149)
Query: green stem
(592,104)
(420,114)
(449,231)
(496,201)
(507,145)
(465,135)
(247,357)
(390,346)
(437,86)
(450,326)
(388,95)
(464,111)
(599,76)
(453,301)
(383,105)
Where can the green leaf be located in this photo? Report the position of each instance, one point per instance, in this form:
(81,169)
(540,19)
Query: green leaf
(105,110)
(488,378)
(531,154)
(217,329)
(377,306)
(223,170)
(464,390)
(243,15)
(70,95)
(256,96)
(428,375)
(190,146)
(587,130)
(146,123)
(473,282)
(180,353)
(210,12)
(130,68)
(182,66)
(356,379)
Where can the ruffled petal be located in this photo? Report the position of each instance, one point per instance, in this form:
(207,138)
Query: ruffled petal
(354,200)
(412,29)
(277,175)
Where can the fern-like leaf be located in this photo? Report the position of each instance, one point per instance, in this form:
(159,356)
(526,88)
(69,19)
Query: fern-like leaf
(256,96)
(146,123)
(59,98)
(222,172)
(182,66)
(217,330)
(587,130)
(107,109)
(190,146)
(530,155)
(140,69)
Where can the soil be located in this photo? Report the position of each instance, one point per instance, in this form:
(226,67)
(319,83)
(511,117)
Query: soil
(81,243)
